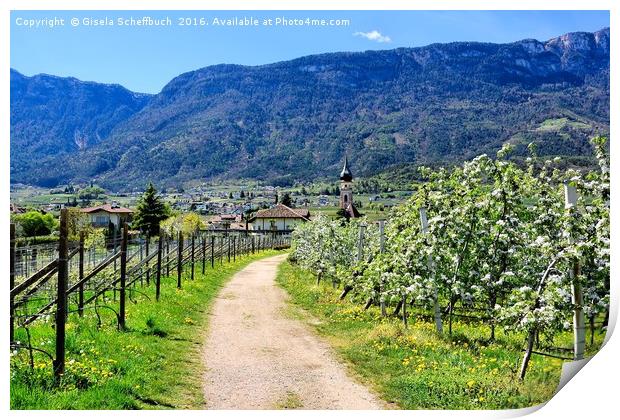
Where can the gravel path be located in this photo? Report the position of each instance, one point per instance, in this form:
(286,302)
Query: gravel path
(258,358)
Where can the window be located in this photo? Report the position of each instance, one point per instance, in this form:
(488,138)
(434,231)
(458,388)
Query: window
(101,220)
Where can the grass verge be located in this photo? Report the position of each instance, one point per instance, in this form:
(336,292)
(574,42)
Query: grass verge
(156,363)
(415,368)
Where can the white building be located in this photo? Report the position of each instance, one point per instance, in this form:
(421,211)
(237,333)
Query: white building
(102,216)
(278,218)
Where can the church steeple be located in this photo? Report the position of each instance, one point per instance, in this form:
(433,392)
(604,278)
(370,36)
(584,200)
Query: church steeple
(346,174)
(346,191)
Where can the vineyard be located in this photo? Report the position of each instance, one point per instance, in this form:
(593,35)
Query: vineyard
(492,244)
(92,283)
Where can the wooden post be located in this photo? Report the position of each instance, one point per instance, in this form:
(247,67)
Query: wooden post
(204,253)
(179,259)
(158,273)
(61,302)
(431,268)
(123,257)
(12,283)
(234,248)
(193,254)
(229,249)
(382,250)
(148,270)
(33,259)
(141,258)
(579,325)
(81,276)
(212,251)
(167,256)
(252,244)
(114,242)
(360,243)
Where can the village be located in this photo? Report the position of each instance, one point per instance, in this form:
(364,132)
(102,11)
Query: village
(244,207)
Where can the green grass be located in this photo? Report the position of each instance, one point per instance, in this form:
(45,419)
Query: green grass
(555,124)
(415,368)
(156,363)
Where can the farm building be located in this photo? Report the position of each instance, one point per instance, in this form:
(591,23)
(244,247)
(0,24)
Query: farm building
(278,218)
(103,215)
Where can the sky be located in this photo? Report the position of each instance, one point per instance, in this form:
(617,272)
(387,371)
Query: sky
(145,58)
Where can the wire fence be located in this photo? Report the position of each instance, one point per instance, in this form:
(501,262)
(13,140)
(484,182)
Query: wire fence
(58,279)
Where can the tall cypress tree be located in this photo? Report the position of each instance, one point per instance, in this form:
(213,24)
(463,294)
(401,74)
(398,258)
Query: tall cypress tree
(150,211)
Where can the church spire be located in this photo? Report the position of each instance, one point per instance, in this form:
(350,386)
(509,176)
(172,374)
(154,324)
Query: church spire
(346,174)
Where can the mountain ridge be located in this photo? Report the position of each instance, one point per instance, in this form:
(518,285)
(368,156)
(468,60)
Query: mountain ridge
(293,120)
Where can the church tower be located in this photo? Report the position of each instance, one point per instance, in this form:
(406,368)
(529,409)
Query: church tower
(346,185)
(346,191)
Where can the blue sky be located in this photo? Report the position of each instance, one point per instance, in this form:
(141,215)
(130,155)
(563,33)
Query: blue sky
(144,59)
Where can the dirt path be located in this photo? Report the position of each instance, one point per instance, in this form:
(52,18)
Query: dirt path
(258,358)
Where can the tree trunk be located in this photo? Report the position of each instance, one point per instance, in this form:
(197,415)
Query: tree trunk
(346,291)
(397,309)
(528,354)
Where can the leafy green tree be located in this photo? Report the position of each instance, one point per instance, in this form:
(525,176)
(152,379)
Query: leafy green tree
(34,223)
(286,199)
(150,211)
(90,193)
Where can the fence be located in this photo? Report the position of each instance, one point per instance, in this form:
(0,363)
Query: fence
(83,280)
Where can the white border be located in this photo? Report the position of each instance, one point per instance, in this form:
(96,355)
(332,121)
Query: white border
(593,393)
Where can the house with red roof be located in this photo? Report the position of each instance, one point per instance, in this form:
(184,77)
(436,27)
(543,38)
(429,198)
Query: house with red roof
(103,215)
(278,218)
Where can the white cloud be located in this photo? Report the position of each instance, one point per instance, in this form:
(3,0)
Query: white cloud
(374,36)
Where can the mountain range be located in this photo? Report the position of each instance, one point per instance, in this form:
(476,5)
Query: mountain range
(293,121)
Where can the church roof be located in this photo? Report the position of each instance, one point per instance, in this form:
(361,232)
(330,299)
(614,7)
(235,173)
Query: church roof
(346,174)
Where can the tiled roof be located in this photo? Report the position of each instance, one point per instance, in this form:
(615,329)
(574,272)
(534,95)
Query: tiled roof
(107,208)
(282,211)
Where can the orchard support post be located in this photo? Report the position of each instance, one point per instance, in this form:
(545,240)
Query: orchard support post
(148,270)
(167,256)
(12,283)
(61,302)
(579,325)
(81,276)
(204,253)
(180,260)
(123,257)
(382,250)
(360,243)
(212,251)
(431,268)
(193,245)
(158,272)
